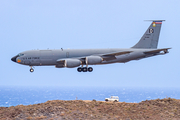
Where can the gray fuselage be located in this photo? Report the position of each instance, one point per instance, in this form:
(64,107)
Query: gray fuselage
(50,57)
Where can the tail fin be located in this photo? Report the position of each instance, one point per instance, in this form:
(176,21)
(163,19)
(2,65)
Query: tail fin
(151,36)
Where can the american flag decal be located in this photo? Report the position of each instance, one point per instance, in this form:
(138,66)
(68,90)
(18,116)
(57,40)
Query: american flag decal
(157,22)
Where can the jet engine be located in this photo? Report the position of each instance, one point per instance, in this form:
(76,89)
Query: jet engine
(70,63)
(92,60)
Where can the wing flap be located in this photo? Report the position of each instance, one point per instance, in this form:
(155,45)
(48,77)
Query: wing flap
(112,56)
(117,53)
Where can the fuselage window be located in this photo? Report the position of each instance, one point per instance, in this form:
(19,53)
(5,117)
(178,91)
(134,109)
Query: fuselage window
(20,54)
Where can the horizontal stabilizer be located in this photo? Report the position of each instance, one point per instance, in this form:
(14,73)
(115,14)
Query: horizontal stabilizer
(165,50)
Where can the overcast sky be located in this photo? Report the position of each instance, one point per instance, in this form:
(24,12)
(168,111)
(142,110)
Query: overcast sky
(42,24)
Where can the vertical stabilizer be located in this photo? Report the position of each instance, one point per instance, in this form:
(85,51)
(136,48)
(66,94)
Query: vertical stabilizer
(151,36)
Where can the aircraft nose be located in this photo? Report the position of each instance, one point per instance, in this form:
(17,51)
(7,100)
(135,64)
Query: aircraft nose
(14,58)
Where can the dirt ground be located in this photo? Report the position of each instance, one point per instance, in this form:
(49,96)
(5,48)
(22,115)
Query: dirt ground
(159,109)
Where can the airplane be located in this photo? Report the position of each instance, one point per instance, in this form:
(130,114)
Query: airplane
(71,58)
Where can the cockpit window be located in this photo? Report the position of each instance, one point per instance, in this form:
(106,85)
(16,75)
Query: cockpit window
(20,54)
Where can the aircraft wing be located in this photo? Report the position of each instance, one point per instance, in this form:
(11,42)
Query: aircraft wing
(165,50)
(107,56)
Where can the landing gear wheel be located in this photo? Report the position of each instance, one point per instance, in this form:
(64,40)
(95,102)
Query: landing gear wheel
(79,69)
(84,69)
(31,70)
(90,69)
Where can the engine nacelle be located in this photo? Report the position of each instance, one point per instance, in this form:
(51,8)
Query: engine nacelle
(92,60)
(70,63)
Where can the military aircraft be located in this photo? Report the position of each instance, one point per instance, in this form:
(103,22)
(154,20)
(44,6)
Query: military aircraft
(70,58)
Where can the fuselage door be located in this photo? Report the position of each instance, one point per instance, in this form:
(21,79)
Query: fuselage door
(67,54)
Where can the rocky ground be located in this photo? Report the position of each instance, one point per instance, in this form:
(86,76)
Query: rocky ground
(159,109)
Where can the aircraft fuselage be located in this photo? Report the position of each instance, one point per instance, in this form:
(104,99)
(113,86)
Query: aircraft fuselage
(50,57)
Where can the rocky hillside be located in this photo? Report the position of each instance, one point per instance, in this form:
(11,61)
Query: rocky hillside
(159,109)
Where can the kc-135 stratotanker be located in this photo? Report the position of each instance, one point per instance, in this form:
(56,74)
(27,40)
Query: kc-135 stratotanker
(70,58)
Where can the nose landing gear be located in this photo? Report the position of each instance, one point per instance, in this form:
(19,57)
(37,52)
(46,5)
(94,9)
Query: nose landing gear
(31,70)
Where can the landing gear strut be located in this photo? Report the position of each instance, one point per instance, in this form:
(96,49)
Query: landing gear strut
(31,70)
(84,69)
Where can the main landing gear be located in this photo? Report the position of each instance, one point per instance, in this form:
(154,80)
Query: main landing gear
(31,70)
(84,69)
